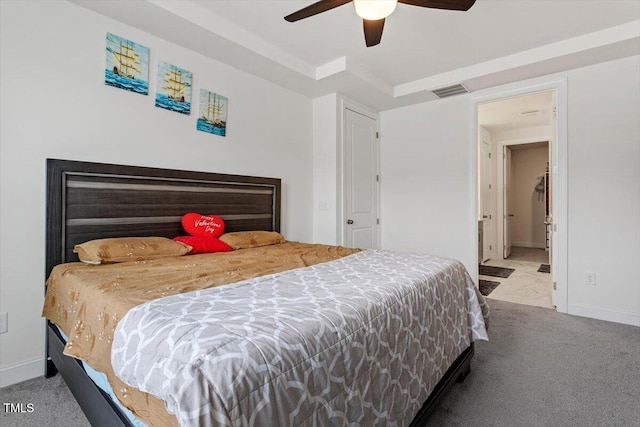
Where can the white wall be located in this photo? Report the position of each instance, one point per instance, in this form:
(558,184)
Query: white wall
(540,133)
(427,203)
(326,146)
(54,103)
(427,187)
(528,206)
(604,189)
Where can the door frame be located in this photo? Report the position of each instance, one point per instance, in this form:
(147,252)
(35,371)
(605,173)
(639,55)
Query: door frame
(500,201)
(558,171)
(341,210)
(500,181)
(488,224)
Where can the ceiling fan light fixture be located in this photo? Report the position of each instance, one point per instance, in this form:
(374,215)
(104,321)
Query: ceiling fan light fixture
(374,10)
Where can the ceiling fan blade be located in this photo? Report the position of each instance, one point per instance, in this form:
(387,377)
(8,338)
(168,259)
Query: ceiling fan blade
(314,9)
(441,4)
(373,31)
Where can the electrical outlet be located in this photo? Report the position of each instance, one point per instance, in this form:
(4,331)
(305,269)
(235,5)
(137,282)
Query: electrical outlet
(4,323)
(589,278)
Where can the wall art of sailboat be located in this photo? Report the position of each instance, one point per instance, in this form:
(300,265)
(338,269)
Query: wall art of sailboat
(213,113)
(127,65)
(174,88)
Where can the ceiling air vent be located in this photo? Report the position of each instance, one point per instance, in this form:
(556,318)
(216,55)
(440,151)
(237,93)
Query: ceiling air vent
(445,92)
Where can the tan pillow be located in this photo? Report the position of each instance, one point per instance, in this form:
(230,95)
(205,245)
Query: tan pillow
(252,239)
(103,251)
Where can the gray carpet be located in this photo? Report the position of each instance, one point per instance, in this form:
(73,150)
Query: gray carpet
(540,368)
(53,404)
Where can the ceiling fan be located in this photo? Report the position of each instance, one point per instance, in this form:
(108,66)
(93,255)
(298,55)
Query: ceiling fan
(373,12)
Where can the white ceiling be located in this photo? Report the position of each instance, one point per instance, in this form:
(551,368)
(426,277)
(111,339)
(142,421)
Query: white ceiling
(495,42)
(507,114)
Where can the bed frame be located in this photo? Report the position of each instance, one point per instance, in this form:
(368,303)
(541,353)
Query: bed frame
(88,201)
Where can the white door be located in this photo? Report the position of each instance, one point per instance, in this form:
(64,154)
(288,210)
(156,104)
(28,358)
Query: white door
(507,205)
(548,212)
(485,201)
(548,223)
(361,181)
(552,198)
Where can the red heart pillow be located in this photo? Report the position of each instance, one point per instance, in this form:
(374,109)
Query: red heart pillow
(203,225)
(203,245)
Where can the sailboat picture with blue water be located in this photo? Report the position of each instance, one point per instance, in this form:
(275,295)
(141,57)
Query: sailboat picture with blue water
(213,113)
(174,88)
(127,65)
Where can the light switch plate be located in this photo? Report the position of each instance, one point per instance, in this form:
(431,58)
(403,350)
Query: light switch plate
(589,278)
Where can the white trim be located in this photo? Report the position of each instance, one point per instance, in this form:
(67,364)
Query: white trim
(559,267)
(626,317)
(348,104)
(21,371)
(340,215)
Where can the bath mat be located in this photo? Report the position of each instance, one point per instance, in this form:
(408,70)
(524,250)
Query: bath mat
(544,268)
(487,270)
(487,286)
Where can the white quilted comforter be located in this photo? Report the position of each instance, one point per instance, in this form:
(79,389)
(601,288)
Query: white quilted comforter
(362,340)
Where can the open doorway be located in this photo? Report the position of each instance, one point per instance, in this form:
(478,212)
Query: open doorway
(525,201)
(515,138)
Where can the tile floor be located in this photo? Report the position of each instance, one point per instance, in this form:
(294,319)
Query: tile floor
(525,285)
(529,254)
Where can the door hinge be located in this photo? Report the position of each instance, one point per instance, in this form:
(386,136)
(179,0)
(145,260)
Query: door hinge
(555,111)
(490,247)
(555,286)
(489,155)
(378,221)
(489,186)
(378,178)
(377,135)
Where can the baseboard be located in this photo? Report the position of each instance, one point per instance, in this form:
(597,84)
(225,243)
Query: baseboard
(21,371)
(628,318)
(528,245)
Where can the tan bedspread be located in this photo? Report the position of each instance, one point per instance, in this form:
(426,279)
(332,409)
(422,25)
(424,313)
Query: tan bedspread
(87,301)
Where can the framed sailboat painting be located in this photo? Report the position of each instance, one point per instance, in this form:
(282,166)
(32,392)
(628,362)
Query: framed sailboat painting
(174,88)
(213,113)
(127,65)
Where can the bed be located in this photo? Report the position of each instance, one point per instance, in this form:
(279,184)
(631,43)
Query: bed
(90,200)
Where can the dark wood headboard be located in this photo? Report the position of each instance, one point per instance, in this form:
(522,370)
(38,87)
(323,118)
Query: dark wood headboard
(88,201)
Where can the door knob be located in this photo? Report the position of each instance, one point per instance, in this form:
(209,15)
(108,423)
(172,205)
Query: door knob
(349,221)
